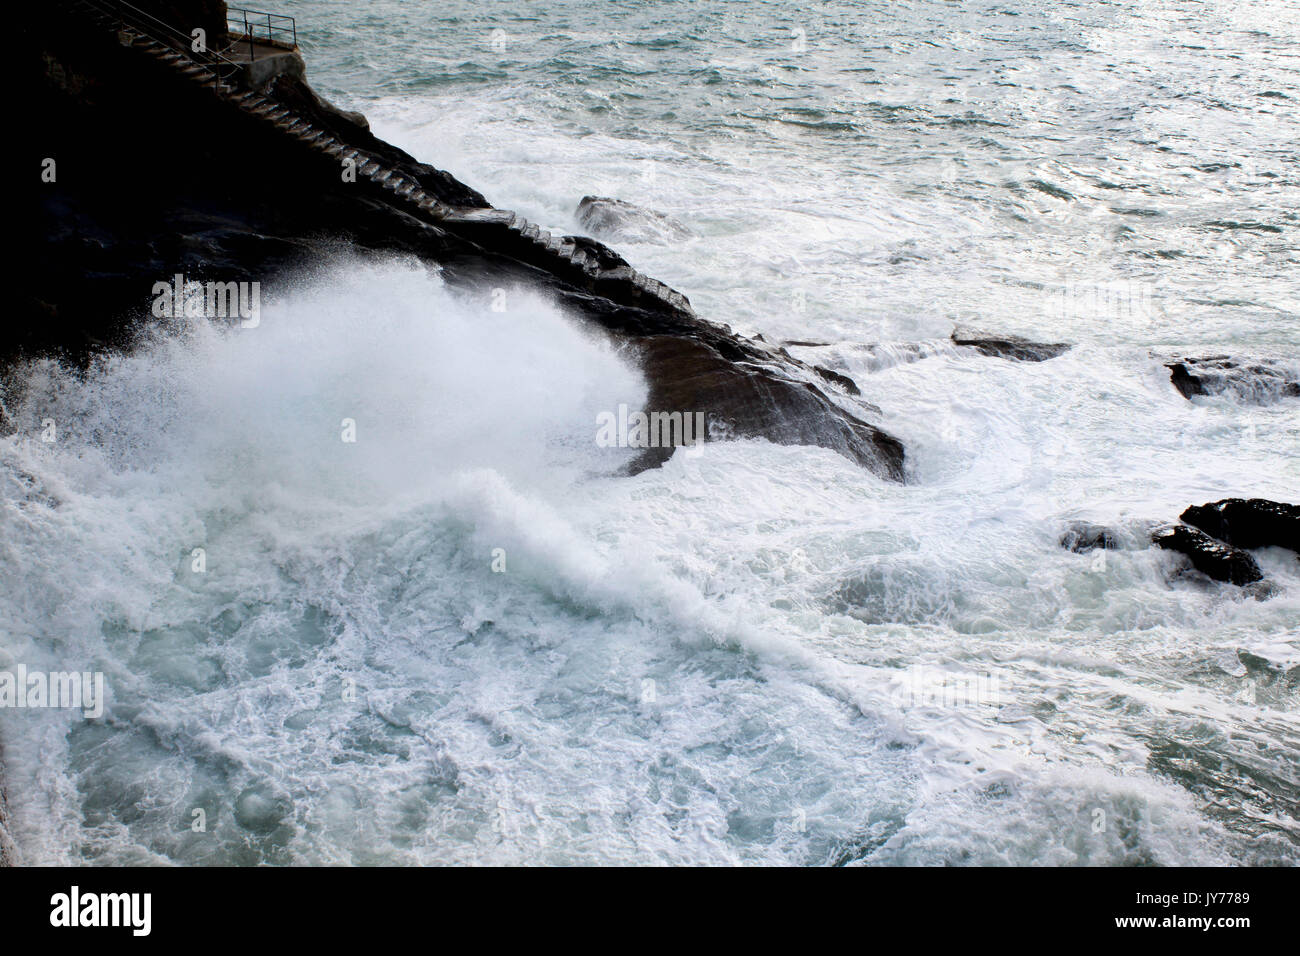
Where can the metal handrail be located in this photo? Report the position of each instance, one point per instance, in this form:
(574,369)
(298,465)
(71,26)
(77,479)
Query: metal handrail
(221,68)
(277,29)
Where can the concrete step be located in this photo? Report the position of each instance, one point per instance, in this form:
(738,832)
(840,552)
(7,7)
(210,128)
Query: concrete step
(498,217)
(583,261)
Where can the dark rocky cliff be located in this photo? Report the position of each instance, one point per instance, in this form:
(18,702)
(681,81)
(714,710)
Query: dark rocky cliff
(156,176)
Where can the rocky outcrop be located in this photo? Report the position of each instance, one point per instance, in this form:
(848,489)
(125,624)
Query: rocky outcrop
(615,219)
(184,176)
(708,372)
(1217,537)
(1009,346)
(1248,522)
(1213,558)
(1257,382)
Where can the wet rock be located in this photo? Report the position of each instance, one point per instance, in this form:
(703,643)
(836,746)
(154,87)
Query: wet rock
(1259,382)
(1219,561)
(742,397)
(616,219)
(1248,522)
(1081,537)
(1009,346)
(843,381)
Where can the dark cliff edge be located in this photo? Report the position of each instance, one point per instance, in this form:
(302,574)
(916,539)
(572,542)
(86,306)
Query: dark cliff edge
(157,176)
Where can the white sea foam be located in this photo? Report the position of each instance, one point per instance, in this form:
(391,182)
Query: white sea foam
(700,664)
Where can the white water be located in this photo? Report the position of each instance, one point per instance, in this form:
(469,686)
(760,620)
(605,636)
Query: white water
(505,716)
(779,599)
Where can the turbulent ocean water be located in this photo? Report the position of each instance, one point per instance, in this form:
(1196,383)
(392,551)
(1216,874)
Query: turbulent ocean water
(756,654)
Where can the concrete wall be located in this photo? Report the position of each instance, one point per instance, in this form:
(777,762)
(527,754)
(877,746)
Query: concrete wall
(266,68)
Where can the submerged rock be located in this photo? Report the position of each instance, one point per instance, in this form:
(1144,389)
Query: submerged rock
(1269,671)
(1213,558)
(1258,382)
(1248,522)
(1009,346)
(261,810)
(1081,537)
(616,219)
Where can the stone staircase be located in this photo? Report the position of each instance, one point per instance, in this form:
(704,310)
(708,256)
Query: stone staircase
(498,229)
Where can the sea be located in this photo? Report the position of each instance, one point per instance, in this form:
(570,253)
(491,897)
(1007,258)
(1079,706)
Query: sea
(363,590)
